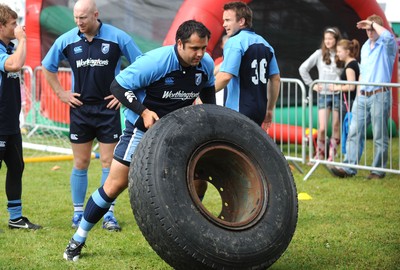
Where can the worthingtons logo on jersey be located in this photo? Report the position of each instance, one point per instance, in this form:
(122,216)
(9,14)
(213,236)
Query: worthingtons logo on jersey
(91,63)
(181,95)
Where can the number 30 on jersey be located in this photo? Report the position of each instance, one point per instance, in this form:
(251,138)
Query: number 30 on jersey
(259,71)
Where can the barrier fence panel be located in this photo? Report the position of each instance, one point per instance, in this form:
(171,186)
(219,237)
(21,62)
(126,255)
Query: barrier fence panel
(55,112)
(288,129)
(47,118)
(26,93)
(292,129)
(367,146)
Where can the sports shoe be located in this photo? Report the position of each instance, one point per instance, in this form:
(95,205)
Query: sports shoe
(339,172)
(76,220)
(375,176)
(73,250)
(110,223)
(22,223)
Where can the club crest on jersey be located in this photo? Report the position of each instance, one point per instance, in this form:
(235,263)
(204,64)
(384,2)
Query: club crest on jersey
(77,49)
(169,81)
(198,78)
(105,48)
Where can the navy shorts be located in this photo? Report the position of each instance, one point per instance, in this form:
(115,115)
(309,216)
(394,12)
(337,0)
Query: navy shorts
(329,101)
(11,148)
(94,121)
(127,143)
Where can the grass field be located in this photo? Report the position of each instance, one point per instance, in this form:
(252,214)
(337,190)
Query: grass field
(348,224)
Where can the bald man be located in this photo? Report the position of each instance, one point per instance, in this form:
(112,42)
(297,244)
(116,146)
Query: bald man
(93,50)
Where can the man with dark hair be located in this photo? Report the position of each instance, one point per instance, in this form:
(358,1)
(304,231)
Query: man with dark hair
(249,71)
(11,64)
(157,83)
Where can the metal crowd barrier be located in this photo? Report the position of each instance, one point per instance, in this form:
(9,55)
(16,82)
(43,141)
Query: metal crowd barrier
(289,129)
(45,111)
(393,164)
(26,89)
(292,130)
(43,108)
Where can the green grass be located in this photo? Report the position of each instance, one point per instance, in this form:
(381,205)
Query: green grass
(349,224)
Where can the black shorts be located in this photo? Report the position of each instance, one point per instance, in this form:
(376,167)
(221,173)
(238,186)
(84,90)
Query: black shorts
(11,148)
(94,121)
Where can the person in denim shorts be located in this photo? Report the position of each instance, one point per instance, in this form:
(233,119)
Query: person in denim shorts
(329,68)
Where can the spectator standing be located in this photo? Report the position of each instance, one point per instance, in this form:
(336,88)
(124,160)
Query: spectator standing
(93,50)
(372,104)
(348,52)
(329,68)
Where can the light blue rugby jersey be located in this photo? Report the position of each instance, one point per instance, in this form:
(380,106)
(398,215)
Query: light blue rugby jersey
(251,60)
(162,85)
(94,64)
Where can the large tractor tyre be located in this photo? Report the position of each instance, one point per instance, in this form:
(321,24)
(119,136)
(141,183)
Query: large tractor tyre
(256,215)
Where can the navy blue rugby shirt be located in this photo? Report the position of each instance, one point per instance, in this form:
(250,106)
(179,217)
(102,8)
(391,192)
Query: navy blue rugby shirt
(162,85)
(251,60)
(94,64)
(10,94)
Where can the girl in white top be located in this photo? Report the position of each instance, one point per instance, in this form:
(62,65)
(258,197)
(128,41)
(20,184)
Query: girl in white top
(329,68)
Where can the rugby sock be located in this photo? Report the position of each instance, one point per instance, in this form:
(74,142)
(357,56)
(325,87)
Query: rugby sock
(97,205)
(79,184)
(104,175)
(14,208)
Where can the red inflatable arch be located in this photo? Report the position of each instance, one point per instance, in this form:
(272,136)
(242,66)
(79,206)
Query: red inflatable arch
(32,23)
(207,11)
(210,13)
